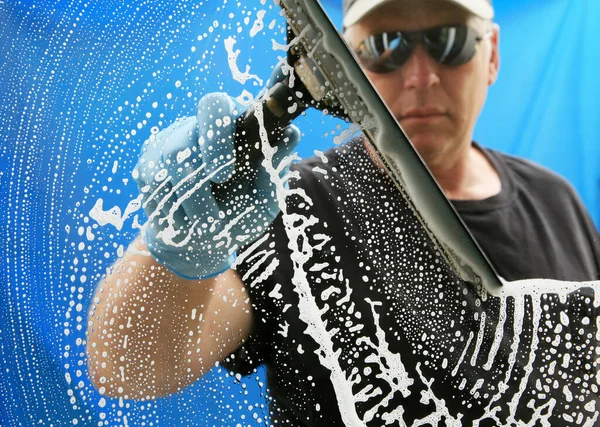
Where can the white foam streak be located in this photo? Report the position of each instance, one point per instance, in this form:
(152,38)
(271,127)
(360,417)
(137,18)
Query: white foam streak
(462,356)
(480,335)
(395,375)
(498,334)
(516,400)
(296,227)
(518,315)
(441,410)
(113,215)
(258,23)
(232,56)
(539,287)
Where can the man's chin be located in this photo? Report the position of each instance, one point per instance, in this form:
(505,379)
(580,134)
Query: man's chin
(429,143)
(431,147)
(426,133)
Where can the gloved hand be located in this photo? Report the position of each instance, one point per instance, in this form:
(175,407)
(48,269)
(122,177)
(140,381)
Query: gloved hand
(199,211)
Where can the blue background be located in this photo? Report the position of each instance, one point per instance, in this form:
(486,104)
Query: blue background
(83,84)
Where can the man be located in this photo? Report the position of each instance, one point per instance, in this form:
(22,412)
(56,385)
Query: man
(351,308)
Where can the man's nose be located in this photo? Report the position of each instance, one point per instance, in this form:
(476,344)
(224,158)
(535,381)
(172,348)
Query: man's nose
(420,70)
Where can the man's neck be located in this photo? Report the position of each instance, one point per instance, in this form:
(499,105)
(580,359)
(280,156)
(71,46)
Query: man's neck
(469,175)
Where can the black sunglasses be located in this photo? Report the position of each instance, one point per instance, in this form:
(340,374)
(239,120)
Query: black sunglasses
(448,45)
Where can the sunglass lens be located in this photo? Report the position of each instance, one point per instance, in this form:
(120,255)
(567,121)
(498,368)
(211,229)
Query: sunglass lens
(451,45)
(383,53)
(399,52)
(437,36)
(439,42)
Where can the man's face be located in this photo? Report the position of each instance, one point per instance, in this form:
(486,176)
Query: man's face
(437,105)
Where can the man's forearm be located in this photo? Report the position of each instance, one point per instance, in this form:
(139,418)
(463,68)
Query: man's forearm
(148,333)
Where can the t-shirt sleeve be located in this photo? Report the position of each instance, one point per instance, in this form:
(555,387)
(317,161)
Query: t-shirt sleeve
(248,356)
(588,231)
(562,211)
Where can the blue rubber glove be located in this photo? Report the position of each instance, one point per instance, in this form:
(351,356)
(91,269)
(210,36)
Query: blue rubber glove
(199,211)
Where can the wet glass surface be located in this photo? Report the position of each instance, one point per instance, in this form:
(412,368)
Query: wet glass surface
(354,297)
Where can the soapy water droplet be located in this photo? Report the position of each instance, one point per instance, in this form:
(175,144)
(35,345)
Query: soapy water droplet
(161,175)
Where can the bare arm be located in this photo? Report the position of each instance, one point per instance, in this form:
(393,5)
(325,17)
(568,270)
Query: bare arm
(151,333)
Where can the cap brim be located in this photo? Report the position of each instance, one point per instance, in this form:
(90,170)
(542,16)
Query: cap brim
(359,9)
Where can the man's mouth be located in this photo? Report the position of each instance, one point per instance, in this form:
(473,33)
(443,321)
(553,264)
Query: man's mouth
(422,114)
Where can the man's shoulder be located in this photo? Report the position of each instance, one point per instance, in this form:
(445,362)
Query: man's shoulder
(531,174)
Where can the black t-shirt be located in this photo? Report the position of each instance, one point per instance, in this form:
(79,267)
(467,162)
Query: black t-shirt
(536,227)
(359,320)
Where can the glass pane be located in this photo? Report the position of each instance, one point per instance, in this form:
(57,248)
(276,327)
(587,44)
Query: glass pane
(371,303)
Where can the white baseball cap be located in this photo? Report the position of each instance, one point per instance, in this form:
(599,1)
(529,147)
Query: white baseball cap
(354,10)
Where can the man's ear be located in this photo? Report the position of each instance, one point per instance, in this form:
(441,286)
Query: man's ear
(494,63)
